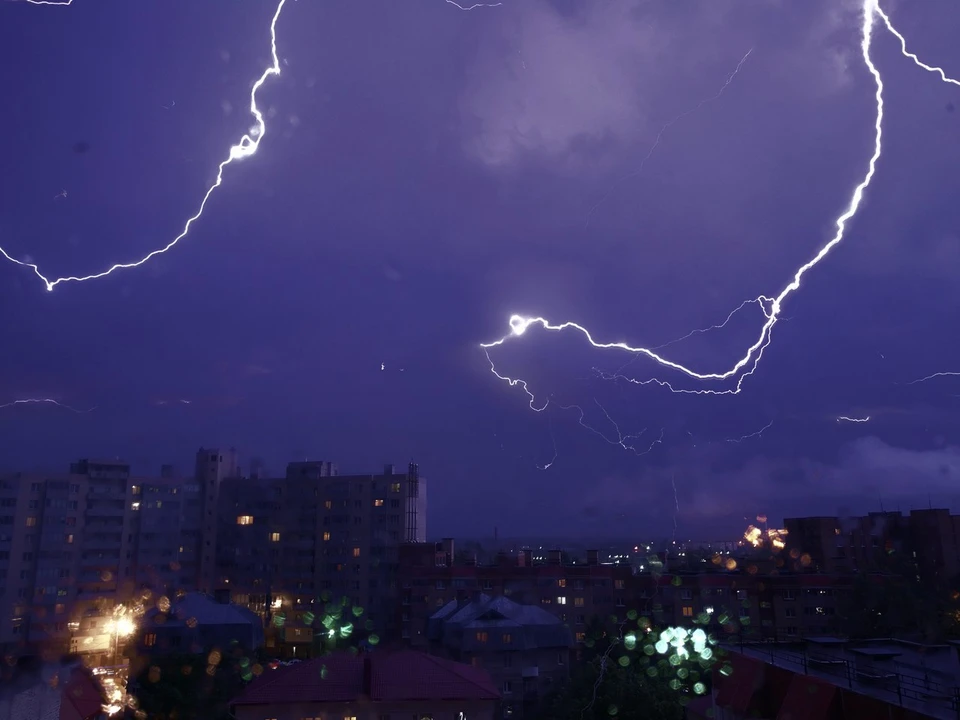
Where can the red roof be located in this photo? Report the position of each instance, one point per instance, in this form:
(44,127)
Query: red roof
(409,675)
(333,678)
(379,676)
(81,698)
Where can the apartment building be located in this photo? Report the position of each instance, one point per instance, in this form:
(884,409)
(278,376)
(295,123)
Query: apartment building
(769,604)
(429,579)
(928,540)
(284,543)
(74,546)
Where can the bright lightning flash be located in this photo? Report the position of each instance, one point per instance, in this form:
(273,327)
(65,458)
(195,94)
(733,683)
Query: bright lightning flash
(772,307)
(247,147)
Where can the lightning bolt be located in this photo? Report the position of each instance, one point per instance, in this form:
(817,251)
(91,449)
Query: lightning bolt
(699,331)
(844,418)
(666,126)
(46,401)
(247,146)
(474,6)
(934,375)
(758,433)
(748,363)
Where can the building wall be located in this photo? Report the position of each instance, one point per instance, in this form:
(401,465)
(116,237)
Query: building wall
(286,542)
(213,466)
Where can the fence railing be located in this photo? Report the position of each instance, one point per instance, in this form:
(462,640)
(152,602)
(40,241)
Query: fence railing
(905,686)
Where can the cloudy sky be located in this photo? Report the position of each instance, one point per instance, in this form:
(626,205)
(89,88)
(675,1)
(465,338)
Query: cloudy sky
(638,167)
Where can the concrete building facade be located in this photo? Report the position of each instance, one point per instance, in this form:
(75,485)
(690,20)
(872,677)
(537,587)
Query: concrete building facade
(283,543)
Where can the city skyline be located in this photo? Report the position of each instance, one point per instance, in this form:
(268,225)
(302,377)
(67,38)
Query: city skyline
(624,167)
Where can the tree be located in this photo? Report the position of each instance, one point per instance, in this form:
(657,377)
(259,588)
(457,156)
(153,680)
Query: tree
(633,671)
(192,687)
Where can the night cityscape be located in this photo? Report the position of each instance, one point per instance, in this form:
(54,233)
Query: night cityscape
(534,359)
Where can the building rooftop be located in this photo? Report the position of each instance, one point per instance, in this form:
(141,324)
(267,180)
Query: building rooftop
(526,626)
(923,678)
(206,611)
(379,676)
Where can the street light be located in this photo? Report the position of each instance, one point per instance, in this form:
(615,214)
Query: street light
(120,627)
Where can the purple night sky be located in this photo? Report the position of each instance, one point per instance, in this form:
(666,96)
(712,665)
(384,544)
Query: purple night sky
(427,172)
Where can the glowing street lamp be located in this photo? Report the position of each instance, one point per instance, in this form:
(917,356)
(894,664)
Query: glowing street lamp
(120,627)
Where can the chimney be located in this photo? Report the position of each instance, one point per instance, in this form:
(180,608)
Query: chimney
(593,557)
(554,557)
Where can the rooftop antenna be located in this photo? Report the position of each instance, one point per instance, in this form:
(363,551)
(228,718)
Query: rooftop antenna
(881,502)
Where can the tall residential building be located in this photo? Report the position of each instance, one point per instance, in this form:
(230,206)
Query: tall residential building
(74,546)
(213,467)
(284,542)
(83,542)
(927,540)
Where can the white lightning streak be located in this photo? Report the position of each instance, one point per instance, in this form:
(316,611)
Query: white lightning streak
(934,375)
(247,146)
(474,6)
(758,433)
(903,46)
(626,441)
(699,331)
(666,126)
(747,364)
(844,418)
(45,401)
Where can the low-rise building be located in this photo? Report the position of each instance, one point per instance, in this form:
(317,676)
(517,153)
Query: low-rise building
(526,649)
(197,623)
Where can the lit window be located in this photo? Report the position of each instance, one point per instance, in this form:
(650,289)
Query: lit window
(561,600)
(328,504)
(506,639)
(687,611)
(562,582)
(274,537)
(134,489)
(244,519)
(59,608)
(135,506)
(578,602)
(150,639)
(356,552)
(618,584)
(69,539)
(395,487)
(581,636)
(481,636)
(326,535)
(378,502)
(31,521)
